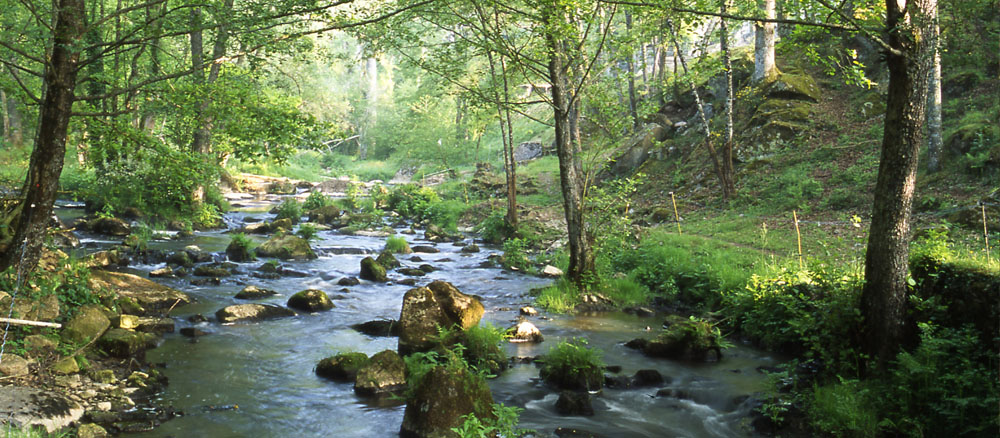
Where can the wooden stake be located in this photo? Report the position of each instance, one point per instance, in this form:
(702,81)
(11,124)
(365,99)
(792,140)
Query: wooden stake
(31,323)
(677,218)
(798,236)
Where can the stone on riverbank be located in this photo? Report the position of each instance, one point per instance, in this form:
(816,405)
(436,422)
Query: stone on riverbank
(251,312)
(151,296)
(343,367)
(441,400)
(122,344)
(88,324)
(24,407)
(310,300)
(384,374)
(525,331)
(382,327)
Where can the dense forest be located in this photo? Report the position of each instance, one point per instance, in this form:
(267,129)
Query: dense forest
(808,185)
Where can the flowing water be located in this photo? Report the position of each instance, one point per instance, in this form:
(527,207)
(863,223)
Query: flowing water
(257,379)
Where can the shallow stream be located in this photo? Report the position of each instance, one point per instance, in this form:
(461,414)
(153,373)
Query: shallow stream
(257,380)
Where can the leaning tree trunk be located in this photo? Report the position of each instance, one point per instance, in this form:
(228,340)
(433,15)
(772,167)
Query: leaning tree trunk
(763,59)
(630,64)
(581,259)
(728,174)
(883,299)
(42,182)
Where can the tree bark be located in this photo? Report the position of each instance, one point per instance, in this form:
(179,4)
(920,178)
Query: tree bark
(632,104)
(6,117)
(729,175)
(883,298)
(934,139)
(42,182)
(763,59)
(581,259)
(367,143)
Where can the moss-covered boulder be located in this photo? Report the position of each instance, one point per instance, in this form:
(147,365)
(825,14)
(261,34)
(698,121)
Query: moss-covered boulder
(212,271)
(372,270)
(65,366)
(239,250)
(383,374)
(387,260)
(44,308)
(310,300)
(254,293)
(109,226)
(440,401)
(149,295)
(435,233)
(685,339)
(13,365)
(327,215)
(343,367)
(286,247)
(251,312)
(122,344)
(427,308)
(88,324)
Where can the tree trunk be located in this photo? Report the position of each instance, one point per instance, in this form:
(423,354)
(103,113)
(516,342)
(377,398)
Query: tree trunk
(581,259)
(883,299)
(632,105)
(42,181)
(367,143)
(729,175)
(716,160)
(934,140)
(763,55)
(6,117)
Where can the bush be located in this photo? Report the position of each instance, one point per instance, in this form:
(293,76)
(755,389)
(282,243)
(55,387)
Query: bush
(494,229)
(316,200)
(445,214)
(572,365)
(411,201)
(946,387)
(397,245)
(815,314)
(289,209)
(482,348)
(843,409)
(515,254)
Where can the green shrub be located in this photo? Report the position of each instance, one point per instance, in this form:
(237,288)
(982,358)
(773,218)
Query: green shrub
(289,209)
(505,424)
(494,229)
(572,363)
(814,314)
(411,201)
(316,200)
(483,349)
(307,231)
(397,245)
(445,214)
(946,387)
(515,254)
(843,409)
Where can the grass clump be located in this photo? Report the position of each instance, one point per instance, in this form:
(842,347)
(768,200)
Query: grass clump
(397,245)
(289,209)
(573,365)
(843,409)
(560,297)
(307,231)
(316,200)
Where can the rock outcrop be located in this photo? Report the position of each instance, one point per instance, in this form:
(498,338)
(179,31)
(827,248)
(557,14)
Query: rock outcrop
(427,308)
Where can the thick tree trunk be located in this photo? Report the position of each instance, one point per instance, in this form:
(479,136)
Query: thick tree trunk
(581,259)
(883,299)
(6,117)
(934,140)
(42,181)
(763,59)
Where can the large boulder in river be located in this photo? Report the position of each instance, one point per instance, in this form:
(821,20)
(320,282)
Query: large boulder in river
(442,399)
(380,327)
(109,226)
(255,293)
(684,339)
(387,260)
(343,367)
(286,247)
(384,374)
(251,312)
(88,323)
(239,250)
(310,300)
(151,296)
(372,271)
(327,215)
(427,308)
